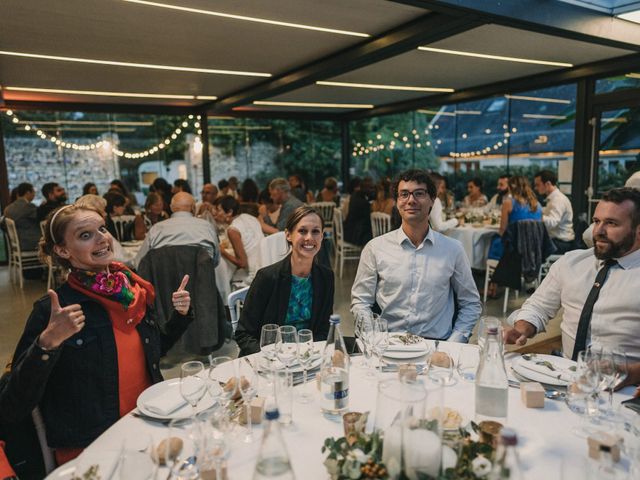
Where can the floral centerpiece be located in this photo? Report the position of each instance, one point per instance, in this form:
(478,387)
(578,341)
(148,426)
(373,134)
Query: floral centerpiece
(360,456)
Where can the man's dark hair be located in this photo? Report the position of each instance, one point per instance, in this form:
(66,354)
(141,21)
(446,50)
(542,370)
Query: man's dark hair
(354,183)
(228,204)
(23,189)
(114,199)
(48,188)
(547,176)
(619,195)
(414,175)
(506,175)
(476,181)
(182,184)
(222,184)
(249,191)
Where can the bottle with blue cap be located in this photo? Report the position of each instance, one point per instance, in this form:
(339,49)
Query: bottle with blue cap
(273,460)
(334,371)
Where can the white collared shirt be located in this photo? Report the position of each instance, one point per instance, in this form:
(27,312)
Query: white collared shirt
(414,286)
(557,216)
(616,314)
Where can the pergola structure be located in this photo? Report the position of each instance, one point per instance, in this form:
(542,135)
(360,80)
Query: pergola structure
(337,60)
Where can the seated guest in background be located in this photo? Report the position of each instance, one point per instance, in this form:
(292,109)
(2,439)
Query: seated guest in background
(223,188)
(162,188)
(418,277)
(267,207)
(299,189)
(294,291)
(280,192)
(91,347)
(116,207)
(248,197)
(437,216)
(153,213)
(612,267)
(131,198)
(502,192)
(181,229)
(180,185)
(357,225)
(233,187)
(13,195)
(209,194)
(330,191)
(475,198)
(54,197)
(444,194)
(383,202)
(557,214)
(89,189)
(25,215)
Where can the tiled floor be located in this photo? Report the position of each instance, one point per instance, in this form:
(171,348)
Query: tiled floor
(16,304)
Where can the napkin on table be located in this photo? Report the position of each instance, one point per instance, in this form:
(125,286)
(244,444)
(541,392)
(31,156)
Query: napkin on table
(106,460)
(166,402)
(557,374)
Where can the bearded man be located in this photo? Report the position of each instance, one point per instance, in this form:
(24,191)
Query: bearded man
(598,288)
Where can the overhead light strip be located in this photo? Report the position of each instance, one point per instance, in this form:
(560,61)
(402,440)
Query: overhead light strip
(633,75)
(544,117)
(538,99)
(468,112)
(434,112)
(495,57)
(312,105)
(249,19)
(135,65)
(101,94)
(87,122)
(385,87)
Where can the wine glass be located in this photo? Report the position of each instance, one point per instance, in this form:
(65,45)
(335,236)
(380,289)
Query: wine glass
(181,451)
(193,384)
(614,367)
(584,383)
(223,391)
(268,339)
(215,447)
(287,345)
(248,387)
(380,338)
(305,357)
(363,330)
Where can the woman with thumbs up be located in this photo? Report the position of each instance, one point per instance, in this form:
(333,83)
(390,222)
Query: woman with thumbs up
(92,346)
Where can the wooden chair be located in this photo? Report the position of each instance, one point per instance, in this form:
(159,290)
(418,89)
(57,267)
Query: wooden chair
(344,250)
(235,302)
(380,223)
(19,260)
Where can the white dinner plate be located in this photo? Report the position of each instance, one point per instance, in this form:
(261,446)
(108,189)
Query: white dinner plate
(167,386)
(560,363)
(295,368)
(405,355)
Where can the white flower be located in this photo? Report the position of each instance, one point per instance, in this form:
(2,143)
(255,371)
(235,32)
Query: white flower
(481,466)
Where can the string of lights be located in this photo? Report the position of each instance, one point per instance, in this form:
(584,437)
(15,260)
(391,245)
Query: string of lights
(191,119)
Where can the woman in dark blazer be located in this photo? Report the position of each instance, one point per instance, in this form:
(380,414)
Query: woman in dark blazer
(294,291)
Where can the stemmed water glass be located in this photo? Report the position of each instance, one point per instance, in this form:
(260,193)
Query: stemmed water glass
(215,446)
(268,339)
(305,357)
(223,392)
(613,370)
(380,339)
(193,384)
(363,331)
(287,345)
(248,386)
(585,383)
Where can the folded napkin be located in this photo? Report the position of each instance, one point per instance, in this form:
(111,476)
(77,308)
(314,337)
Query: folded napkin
(105,460)
(542,369)
(165,403)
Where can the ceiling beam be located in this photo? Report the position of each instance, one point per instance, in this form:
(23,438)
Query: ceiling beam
(421,31)
(99,107)
(615,66)
(550,17)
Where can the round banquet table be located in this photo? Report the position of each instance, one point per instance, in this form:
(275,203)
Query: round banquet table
(545,435)
(475,241)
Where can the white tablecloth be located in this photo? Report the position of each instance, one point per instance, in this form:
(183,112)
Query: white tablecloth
(545,435)
(475,241)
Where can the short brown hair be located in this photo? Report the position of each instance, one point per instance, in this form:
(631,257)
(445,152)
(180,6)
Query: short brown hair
(61,218)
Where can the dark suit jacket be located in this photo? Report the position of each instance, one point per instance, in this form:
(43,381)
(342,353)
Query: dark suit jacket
(26,217)
(268,299)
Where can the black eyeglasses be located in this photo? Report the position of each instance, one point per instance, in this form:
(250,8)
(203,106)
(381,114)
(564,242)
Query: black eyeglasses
(418,194)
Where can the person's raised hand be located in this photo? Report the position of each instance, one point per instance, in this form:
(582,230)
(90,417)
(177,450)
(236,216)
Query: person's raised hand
(180,298)
(63,323)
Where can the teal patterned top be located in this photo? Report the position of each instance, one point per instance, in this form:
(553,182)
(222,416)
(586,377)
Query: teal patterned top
(300,300)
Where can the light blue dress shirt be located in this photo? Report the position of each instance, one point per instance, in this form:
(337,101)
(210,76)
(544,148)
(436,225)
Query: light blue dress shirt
(415,286)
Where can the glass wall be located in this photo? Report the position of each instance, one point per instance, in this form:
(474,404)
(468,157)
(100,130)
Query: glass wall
(516,134)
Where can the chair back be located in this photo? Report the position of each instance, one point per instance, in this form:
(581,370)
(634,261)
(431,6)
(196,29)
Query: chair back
(235,302)
(380,223)
(14,241)
(273,248)
(338,225)
(325,209)
(123,225)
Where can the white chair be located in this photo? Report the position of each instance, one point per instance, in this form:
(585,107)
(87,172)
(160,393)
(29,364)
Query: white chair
(122,223)
(544,269)
(380,223)
(273,248)
(235,302)
(490,269)
(344,250)
(325,209)
(47,452)
(19,260)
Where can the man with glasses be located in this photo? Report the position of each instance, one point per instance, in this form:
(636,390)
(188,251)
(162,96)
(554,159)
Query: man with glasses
(420,279)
